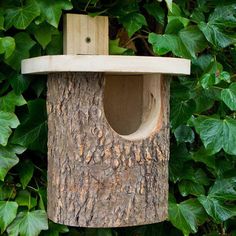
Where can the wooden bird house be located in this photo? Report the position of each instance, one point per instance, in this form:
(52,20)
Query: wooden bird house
(108,121)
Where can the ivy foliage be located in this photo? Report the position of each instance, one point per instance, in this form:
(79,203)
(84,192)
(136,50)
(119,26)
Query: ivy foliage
(202,168)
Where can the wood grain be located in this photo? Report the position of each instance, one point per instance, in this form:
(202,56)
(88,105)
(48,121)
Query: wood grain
(83,34)
(123,102)
(107,64)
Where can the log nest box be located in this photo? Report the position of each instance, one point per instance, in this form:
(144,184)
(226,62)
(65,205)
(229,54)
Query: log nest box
(108,138)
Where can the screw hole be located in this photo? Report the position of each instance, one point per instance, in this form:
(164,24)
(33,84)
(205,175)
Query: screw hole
(88,40)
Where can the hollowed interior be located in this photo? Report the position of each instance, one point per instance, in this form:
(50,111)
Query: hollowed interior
(132,104)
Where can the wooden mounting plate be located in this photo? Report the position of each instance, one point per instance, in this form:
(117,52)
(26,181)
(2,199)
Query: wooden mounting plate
(105,63)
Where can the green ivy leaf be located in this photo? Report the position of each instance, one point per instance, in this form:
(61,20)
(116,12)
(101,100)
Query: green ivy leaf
(193,39)
(215,30)
(7,121)
(164,43)
(176,18)
(229,96)
(202,63)
(219,21)
(197,176)
(214,68)
(55,229)
(26,171)
(169,4)
(187,43)
(180,22)
(225,76)
(224,189)
(215,35)
(133,22)
(155,10)
(176,11)
(8,212)
(213,75)
(42,192)
(198,15)
(10,101)
(224,15)
(181,111)
(52,10)
(184,133)
(43,33)
(55,46)
(187,187)
(186,215)
(207,80)
(114,48)
(28,223)
(217,209)
(200,177)
(223,166)
(23,44)
(33,132)
(178,158)
(39,85)
(20,17)
(8,159)
(204,156)
(19,83)
(161,43)
(217,134)
(203,101)
(7,46)
(24,199)
(179,91)
(7,192)
(175,25)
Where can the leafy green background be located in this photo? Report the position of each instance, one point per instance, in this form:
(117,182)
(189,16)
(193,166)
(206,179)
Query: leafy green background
(202,171)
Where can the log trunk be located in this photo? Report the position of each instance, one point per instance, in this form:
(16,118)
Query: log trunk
(96,177)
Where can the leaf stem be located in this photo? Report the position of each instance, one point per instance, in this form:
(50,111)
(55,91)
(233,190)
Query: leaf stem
(10,194)
(132,39)
(34,189)
(217,87)
(38,168)
(85,9)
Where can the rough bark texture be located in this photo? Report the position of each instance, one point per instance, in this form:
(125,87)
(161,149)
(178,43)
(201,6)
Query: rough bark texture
(95,177)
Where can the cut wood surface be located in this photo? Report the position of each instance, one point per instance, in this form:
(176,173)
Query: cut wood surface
(83,34)
(108,64)
(99,177)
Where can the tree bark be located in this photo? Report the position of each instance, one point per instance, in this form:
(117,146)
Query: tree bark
(96,178)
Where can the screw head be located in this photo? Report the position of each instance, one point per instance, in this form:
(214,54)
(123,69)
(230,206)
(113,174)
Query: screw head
(87,39)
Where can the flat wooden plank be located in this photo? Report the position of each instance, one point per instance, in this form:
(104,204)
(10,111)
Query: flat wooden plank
(83,34)
(107,64)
